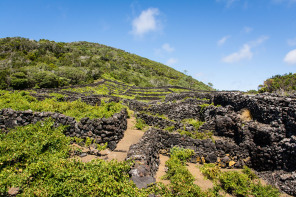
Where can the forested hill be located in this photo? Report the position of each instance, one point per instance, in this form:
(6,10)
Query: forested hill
(26,63)
(286,82)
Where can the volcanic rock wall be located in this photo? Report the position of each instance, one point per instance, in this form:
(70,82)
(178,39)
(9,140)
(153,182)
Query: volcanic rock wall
(146,152)
(102,130)
(90,100)
(266,141)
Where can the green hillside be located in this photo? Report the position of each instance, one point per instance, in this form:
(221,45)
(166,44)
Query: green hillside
(26,63)
(286,82)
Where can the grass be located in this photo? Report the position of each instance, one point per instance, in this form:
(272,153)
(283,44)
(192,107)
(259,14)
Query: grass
(21,100)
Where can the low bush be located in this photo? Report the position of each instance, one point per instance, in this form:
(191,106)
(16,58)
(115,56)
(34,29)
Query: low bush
(238,184)
(140,124)
(210,170)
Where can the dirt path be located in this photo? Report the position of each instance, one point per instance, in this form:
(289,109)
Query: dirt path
(131,136)
(161,170)
(200,179)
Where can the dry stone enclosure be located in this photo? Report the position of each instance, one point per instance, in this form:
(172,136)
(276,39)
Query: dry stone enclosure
(258,131)
(266,142)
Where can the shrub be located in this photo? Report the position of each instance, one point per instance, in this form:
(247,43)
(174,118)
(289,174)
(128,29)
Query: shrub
(249,173)
(19,80)
(259,190)
(46,79)
(140,124)
(211,171)
(181,153)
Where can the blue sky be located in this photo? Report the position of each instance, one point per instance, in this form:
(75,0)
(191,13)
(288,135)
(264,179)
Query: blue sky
(234,44)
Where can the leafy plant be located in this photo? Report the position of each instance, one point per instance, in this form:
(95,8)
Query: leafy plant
(239,184)
(140,124)
(249,173)
(210,170)
(235,183)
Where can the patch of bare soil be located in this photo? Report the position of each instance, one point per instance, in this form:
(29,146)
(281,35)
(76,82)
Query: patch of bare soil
(131,136)
(200,179)
(84,157)
(162,170)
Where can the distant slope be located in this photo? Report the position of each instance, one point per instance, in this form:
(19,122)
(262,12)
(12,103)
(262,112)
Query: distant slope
(28,63)
(286,82)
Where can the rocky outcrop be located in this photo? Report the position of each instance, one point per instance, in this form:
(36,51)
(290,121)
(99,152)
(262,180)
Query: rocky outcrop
(102,130)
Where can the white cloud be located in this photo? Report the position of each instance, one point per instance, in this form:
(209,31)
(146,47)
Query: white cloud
(258,41)
(247,30)
(223,40)
(172,61)
(292,42)
(244,53)
(167,47)
(146,22)
(291,57)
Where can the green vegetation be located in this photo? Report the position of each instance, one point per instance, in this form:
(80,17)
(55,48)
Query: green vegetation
(36,158)
(210,170)
(47,64)
(140,124)
(195,123)
(251,92)
(196,134)
(203,107)
(238,184)
(181,180)
(286,82)
(21,100)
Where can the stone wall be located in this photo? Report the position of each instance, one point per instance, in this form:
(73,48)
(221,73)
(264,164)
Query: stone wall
(265,108)
(188,108)
(90,100)
(269,146)
(163,123)
(266,141)
(102,130)
(146,152)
